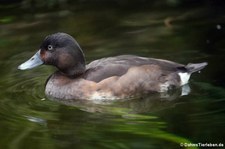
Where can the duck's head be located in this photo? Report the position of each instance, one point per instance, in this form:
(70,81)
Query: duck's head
(60,50)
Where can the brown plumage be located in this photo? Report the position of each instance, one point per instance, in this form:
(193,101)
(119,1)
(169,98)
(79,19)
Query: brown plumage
(116,77)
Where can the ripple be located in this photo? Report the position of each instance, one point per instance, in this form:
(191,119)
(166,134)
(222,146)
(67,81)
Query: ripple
(30,86)
(30,82)
(20,90)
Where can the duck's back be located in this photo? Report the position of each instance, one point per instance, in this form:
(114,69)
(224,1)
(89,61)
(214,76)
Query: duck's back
(101,69)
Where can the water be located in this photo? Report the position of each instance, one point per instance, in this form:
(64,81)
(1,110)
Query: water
(30,120)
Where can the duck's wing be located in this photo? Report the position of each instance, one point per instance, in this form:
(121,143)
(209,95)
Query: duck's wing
(117,66)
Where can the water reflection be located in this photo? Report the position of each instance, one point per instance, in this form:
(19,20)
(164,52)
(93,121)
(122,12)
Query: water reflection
(111,130)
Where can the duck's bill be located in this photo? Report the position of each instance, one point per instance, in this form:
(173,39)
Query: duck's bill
(34,61)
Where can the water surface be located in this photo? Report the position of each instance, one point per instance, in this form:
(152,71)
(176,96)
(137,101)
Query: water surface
(31,120)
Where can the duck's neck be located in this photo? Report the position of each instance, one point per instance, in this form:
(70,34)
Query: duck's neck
(75,69)
(75,66)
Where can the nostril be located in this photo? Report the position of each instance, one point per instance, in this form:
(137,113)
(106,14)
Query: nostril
(32,58)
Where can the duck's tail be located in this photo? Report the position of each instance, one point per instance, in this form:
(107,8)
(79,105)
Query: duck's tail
(191,68)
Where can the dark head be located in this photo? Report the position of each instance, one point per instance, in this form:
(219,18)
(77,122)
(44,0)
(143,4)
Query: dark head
(60,50)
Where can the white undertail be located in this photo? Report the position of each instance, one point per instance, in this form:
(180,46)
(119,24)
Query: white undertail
(184,77)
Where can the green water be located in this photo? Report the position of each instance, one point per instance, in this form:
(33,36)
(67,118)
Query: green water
(194,34)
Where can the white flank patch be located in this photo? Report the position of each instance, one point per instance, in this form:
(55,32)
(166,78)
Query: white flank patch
(184,77)
(100,96)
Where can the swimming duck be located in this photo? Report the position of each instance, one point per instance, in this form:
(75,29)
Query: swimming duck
(109,78)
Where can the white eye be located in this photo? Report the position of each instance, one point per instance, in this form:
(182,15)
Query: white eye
(50,47)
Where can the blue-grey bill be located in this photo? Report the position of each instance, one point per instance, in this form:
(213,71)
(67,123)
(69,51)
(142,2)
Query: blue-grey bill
(34,61)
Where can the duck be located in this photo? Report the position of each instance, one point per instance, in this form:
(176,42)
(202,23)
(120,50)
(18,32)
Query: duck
(117,77)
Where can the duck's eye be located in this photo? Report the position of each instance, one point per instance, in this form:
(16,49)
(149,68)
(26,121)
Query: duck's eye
(50,47)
